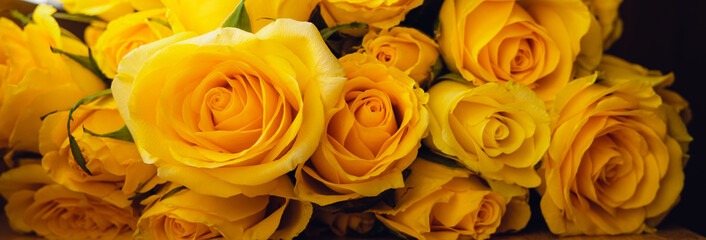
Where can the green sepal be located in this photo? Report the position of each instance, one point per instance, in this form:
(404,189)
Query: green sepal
(160,21)
(77,17)
(122,134)
(327,32)
(173,191)
(142,195)
(19,16)
(73,145)
(238,18)
(87,62)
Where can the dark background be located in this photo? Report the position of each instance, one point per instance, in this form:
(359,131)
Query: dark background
(671,36)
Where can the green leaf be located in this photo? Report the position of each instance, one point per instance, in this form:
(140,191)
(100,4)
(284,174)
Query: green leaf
(143,195)
(173,191)
(87,62)
(239,18)
(73,145)
(24,19)
(327,32)
(76,17)
(122,134)
(160,21)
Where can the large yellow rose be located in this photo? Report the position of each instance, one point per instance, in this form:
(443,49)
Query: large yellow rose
(405,48)
(612,164)
(187,214)
(372,134)
(116,166)
(126,33)
(35,204)
(377,14)
(500,131)
(533,42)
(35,80)
(204,16)
(439,202)
(228,111)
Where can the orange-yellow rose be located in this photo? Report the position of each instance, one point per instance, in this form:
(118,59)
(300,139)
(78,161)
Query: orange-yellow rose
(204,16)
(371,135)
(35,80)
(189,215)
(439,202)
(612,164)
(498,130)
(532,42)
(377,14)
(116,166)
(228,112)
(341,222)
(35,204)
(611,26)
(126,33)
(405,48)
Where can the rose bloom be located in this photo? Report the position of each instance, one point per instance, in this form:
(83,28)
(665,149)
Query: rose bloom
(35,81)
(35,204)
(615,70)
(500,131)
(372,134)
(341,222)
(377,14)
(204,16)
(228,112)
(531,42)
(440,202)
(405,48)
(126,33)
(606,12)
(104,9)
(116,166)
(187,214)
(612,165)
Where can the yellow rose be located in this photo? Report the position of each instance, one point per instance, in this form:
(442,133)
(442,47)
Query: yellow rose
(104,9)
(606,11)
(228,111)
(37,81)
(500,131)
(126,33)
(531,42)
(54,212)
(591,51)
(675,108)
(204,16)
(93,32)
(187,214)
(116,165)
(35,203)
(263,12)
(340,222)
(144,5)
(405,48)
(439,202)
(611,164)
(372,134)
(377,14)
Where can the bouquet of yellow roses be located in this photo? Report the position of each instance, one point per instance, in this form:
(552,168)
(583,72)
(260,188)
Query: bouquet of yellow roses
(290,119)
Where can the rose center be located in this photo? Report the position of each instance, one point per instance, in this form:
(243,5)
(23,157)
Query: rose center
(387,55)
